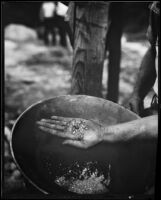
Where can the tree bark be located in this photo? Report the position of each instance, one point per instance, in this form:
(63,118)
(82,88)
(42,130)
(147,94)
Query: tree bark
(90,30)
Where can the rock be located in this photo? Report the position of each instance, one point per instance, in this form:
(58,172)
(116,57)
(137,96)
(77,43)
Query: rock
(7,133)
(7,166)
(11,185)
(19,33)
(10,45)
(13,166)
(16,174)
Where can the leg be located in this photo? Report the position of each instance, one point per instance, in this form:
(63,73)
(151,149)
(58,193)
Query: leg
(46,31)
(62,33)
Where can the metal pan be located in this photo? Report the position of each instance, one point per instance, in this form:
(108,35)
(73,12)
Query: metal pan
(42,158)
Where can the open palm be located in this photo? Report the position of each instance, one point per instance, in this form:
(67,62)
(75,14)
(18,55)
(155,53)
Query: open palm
(79,132)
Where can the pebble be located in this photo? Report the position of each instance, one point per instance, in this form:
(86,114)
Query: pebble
(13,166)
(78,128)
(16,173)
(7,133)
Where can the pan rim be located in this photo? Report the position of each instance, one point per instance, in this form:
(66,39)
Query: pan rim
(39,102)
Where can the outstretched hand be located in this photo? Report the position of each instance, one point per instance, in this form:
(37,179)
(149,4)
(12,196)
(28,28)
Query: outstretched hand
(79,132)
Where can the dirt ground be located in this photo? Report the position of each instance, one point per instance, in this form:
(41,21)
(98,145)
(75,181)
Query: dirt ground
(35,72)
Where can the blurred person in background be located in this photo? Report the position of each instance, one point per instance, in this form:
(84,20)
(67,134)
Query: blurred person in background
(60,23)
(52,15)
(47,13)
(148,74)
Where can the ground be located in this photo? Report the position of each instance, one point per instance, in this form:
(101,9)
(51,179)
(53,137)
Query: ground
(34,72)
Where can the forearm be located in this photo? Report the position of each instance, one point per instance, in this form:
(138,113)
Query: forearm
(145,128)
(146,75)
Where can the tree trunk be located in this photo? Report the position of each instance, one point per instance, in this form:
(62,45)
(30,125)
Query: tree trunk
(114,46)
(114,63)
(90,30)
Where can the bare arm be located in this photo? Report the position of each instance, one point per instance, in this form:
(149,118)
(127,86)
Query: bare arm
(145,128)
(147,74)
(144,82)
(94,133)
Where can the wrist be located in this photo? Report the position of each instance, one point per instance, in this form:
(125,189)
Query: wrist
(102,132)
(107,134)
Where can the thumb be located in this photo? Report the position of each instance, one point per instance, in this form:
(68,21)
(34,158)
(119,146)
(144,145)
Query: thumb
(127,106)
(131,106)
(75,143)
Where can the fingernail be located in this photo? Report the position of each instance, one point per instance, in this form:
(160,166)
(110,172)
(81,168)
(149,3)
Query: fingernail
(43,119)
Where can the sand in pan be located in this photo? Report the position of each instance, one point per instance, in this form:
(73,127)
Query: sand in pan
(88,182)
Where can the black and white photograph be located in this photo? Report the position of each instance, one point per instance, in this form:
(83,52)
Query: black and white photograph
(80,99)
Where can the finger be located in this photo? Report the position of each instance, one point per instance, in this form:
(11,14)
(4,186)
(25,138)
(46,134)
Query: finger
(58,118)
(127,106)
(48,130)
(51,126)
(54,132)
(75,143)
(52,121)
(65,119)
(134,109)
